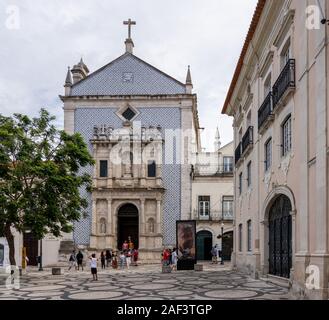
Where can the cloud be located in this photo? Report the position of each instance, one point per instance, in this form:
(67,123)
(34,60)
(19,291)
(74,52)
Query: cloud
(208,35)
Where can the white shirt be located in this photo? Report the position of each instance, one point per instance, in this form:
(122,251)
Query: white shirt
(93,263)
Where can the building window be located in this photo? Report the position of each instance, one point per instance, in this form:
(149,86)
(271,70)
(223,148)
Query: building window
(286,136)
(267,85)
(240,183)
(268,154)
(227,207)
(249,174)
(151,169)
(249,236)
(103,168)
(240,237)
(285,54)
(204,207)
(228,164)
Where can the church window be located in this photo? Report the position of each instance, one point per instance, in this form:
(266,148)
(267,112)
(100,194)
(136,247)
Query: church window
(103,169)
(249,236)
(151,169)
(128,114)
(240,237)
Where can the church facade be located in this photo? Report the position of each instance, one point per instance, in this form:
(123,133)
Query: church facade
(141,126)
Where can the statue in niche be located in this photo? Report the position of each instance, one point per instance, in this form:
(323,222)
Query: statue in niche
(127,163)
(102,226)
(150,223)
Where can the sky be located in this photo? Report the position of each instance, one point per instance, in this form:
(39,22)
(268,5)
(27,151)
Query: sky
(40,39)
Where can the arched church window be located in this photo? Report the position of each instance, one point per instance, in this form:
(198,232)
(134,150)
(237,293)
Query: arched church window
(102,226)
(151,169)
(150,225)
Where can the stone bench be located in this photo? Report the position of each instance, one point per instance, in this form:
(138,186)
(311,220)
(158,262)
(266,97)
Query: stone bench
(198,267)
(56,271)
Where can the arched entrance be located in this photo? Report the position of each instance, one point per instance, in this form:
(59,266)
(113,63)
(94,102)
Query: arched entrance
(2,254)
(280,237)
(227,245)
(204,245)
(128,224)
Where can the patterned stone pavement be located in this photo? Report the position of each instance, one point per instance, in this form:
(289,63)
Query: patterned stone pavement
(144,283)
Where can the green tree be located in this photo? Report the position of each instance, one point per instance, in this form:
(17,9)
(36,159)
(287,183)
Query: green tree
(40,177)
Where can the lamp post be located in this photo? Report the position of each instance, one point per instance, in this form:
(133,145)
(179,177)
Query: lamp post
(222,230)
(40,256)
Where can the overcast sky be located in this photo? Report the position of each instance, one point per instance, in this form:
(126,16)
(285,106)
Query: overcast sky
(51,35)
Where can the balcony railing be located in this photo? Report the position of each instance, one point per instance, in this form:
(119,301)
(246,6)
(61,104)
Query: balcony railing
(238,153)
(248,139)
(286,80)
(214,216)
(213,170)
(265,111)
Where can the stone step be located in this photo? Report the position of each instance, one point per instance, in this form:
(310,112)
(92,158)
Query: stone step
(281,282)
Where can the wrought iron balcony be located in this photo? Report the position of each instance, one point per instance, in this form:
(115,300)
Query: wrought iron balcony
(248,139)
(265,112)
(238,153)
(225,215)
(285,81)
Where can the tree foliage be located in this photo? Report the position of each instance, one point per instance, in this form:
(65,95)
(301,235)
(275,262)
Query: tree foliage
(40,178)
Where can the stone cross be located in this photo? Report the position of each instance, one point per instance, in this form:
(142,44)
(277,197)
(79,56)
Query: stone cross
(129,23)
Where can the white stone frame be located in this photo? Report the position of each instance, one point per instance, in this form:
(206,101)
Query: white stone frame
(264,232)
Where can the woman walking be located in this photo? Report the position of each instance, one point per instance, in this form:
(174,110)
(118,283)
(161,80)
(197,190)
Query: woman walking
(103,260)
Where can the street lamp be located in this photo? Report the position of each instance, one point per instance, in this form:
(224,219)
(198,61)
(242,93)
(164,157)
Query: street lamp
(40,256)
(222,229)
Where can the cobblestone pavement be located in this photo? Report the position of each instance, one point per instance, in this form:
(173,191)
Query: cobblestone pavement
(144,283)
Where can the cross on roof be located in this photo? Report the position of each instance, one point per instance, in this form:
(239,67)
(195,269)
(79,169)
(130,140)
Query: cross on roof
(129,23)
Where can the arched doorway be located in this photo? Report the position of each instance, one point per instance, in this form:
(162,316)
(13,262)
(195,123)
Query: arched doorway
(2,254)
(31,242)
(128,224)
(204,245)
(280,237)
(227,245)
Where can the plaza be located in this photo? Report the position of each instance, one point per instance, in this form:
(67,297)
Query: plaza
(146,282)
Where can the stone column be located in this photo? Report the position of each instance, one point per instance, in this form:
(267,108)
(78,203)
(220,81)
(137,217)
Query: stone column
(158,217)
(94,217)
(110,168)
(142,217)
(109,216)
(95,168)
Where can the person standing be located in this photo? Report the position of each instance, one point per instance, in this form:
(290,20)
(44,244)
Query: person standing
(114,260)
(122,260)
(93,266)
(103,260)
(80,260)
(128,259)
(174,259)
(125,246)
(72,260)
(108,257)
